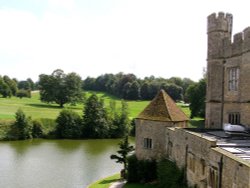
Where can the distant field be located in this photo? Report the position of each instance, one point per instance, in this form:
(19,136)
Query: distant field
(36,109)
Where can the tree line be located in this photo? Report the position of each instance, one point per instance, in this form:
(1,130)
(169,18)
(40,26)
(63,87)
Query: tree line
(96,121)
(129,87)
(12,87)
(62,88)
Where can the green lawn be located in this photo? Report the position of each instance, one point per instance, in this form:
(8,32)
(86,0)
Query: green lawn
(106,182)
(38,110)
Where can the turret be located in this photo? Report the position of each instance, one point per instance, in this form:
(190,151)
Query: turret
(219,31)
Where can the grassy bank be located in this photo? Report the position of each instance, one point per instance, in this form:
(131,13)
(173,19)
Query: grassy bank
(106,182)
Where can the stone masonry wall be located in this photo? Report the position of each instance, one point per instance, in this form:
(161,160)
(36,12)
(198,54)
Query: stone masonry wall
(206,164)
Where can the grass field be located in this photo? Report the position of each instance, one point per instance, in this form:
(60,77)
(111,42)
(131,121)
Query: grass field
(38,110)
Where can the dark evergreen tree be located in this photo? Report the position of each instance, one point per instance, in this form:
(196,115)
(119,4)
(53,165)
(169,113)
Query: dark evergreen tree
(123,152)
(95,118)
(22,127)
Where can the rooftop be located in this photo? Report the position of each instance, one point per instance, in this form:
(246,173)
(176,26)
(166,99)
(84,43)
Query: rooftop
(236,143)
(163,108)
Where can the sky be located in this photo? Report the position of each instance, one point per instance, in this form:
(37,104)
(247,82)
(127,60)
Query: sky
(93,37)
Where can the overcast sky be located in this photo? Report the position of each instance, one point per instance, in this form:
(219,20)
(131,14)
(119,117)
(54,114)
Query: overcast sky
(93,37)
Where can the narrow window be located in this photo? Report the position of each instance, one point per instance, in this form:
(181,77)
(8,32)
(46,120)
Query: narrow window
(147,143)
(213,178)
(233,79)
(234,118)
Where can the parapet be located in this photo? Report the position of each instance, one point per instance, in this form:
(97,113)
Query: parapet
(237,44)
(241,42)
(221,22)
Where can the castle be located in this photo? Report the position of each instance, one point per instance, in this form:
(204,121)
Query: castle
(228,73)
(211,157)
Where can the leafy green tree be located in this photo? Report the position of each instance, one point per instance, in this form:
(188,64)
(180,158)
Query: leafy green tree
(24,84)
(123,152)
(133,92)
(12,85)
(22,126)
(174,91)
(5,90)
(196,94)
(95,118)
(120,123)
(60,88)
(68,124)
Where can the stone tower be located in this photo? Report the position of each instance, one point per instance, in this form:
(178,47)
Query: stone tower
(219,31)
(151,126)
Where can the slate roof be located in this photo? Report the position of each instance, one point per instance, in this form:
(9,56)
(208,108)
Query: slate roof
(163,108)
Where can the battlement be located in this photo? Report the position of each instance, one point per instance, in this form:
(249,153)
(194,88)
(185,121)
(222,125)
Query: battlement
(239,45)
(221,22)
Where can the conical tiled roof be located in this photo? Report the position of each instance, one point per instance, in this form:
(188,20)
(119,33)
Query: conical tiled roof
(163,108)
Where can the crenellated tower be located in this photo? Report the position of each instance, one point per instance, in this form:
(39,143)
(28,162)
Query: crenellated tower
(219,32)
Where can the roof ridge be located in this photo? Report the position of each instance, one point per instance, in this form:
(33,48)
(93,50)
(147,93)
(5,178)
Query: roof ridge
(163,108)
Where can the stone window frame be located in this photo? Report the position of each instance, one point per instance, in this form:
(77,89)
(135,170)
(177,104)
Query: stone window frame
(234,118)
(191,162)
(233,78)
(147,143)
(213,177)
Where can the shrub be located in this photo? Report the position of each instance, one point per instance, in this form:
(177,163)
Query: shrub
(141,170)
(37,131)
(68,124)
(23,93)
(169,175)
(132,169)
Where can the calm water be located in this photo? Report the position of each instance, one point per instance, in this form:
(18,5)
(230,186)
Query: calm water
(56,163)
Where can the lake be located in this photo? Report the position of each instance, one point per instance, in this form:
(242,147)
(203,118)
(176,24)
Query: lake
(43,163)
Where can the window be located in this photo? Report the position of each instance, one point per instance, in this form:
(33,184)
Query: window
(213,178)
(191,162)
(233,79)
(148,143)
(234,118)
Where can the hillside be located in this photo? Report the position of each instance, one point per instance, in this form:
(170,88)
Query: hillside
(36,109)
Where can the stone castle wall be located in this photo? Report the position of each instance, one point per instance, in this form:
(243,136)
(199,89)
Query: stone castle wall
(206,164)
(223,54)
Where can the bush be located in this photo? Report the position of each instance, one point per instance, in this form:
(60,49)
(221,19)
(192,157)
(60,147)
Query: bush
(37,131)
(169,175)
(23,93)
(142,171)
(132,169)
(68,124)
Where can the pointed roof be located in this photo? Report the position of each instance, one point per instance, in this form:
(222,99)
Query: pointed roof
(163,108)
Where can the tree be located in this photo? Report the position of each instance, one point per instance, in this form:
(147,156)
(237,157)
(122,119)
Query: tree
(12,84)
(95,118)
(5,90)
(121,122)
(123,152)
(68,124)
(22,126)
(196,94)
(60,88)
